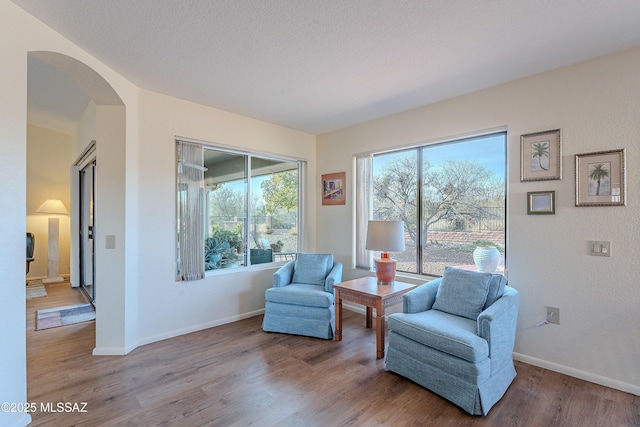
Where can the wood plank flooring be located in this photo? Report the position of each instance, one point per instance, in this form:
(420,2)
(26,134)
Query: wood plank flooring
(238,375)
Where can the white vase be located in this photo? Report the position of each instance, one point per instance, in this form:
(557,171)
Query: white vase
(486,258)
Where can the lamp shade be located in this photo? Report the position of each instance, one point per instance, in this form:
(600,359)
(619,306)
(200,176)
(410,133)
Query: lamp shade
(385,236)
(53,206)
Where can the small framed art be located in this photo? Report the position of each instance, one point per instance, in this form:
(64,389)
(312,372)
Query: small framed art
(601,178)
(541,202)
(541,156)
(333,188)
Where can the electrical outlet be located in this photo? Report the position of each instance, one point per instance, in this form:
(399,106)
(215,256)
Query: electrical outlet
(553,315)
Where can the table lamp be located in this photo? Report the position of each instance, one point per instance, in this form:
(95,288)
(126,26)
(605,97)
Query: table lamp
(385,236)
(53,207)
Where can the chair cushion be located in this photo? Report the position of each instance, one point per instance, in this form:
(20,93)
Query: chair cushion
(300,294)
(312,269)
(496,289)
(462,292)
(445,332)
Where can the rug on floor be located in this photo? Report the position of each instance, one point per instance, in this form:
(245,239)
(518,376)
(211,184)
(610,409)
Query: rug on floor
(36,290)
(62,316)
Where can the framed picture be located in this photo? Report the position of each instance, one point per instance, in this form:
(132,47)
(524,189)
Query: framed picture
(601,178)
(333,188)
(541,156)
(541,202)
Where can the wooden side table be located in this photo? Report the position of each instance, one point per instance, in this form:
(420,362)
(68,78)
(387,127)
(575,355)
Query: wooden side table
(366,291)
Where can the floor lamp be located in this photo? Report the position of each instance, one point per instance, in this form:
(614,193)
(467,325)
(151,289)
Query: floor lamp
(53,207)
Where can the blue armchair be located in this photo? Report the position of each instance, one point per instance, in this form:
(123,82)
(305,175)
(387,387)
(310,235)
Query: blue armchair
(301,300)
(455,337)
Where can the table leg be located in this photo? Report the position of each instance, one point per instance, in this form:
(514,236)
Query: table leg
(369,316)
(338,308)
(379,330)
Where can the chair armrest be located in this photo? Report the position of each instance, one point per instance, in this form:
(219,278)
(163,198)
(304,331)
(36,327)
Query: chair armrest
(283,276)
(421,298)
(335,276)
(497,325)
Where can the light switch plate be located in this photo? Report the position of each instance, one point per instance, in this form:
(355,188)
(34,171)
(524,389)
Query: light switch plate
(600,248)
(110,242)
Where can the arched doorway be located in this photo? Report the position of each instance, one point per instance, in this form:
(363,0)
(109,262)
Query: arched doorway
(104,123)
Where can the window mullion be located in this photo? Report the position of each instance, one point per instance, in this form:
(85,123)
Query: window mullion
(249,219)
(301,204)
(419,248)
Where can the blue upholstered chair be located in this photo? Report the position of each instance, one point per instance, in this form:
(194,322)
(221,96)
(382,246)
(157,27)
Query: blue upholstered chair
(455,337)
(301,299)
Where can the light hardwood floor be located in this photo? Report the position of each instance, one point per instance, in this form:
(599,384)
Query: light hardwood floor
(238,375)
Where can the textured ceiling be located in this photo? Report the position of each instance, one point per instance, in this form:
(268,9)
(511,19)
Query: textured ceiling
(320,65)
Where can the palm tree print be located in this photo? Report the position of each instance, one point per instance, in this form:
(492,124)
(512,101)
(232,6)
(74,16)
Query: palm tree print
(597,173)
(540,150)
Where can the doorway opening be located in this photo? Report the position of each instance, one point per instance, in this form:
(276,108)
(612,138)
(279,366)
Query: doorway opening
(103,187)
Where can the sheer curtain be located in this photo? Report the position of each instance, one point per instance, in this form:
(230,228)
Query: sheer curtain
(364,196)
(190,208)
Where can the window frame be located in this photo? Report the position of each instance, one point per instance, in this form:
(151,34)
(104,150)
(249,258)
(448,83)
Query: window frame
(359,238)
(249,155)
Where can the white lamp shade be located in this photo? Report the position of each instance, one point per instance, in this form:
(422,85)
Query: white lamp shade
(385,236)
(53,206)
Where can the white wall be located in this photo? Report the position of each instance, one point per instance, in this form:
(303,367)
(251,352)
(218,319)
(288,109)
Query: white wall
(86,131)
(48,162)
(138,299)
(167,307)
(22,34)
(13,135)
(597,105)
(113,334)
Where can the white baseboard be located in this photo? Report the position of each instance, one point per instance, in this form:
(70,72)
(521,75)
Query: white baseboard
(113,351)
(355,307)
(178,332)
(109,351)
(361,309)
(577,373)
(43,279)
(121,351)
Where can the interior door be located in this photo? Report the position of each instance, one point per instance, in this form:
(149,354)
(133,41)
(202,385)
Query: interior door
(87,231)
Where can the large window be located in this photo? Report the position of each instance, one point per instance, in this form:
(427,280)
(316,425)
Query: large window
(450,197)
(250,209)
